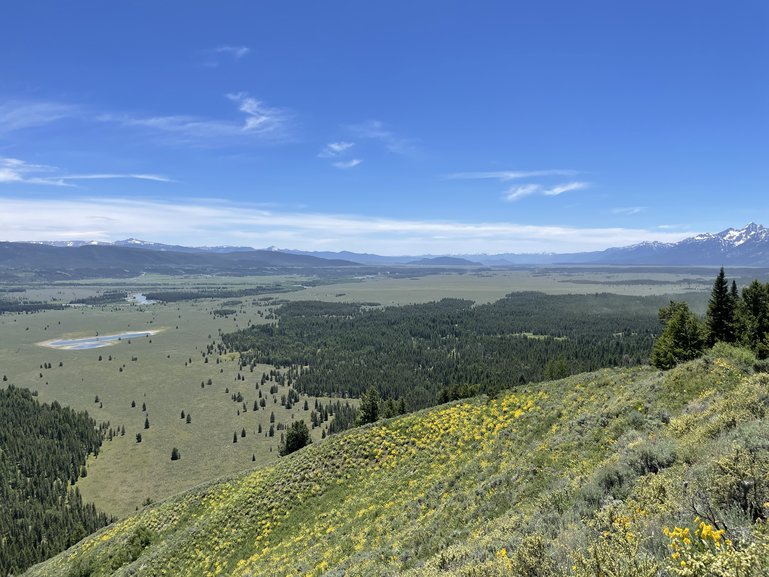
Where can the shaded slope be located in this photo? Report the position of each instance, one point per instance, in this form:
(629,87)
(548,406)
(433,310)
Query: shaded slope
(570,477)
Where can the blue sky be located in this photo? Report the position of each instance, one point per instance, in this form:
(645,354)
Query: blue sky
(392,127)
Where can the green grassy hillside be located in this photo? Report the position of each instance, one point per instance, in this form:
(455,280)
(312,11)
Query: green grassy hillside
(615,473)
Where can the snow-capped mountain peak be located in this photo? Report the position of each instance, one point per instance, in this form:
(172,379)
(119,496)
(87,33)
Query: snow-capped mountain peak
(751,232)
(747,246)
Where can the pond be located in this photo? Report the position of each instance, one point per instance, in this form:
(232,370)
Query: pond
(95,342)
(139,299)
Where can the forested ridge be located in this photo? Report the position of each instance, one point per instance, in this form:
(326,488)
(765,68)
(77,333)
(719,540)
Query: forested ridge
(426,353)
(43,450)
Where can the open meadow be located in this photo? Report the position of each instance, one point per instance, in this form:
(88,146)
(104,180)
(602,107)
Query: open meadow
(142,385)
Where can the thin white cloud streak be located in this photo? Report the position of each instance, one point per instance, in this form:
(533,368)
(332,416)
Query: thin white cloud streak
(153,177)
(345,164)
(334,149)
(376,130)
(259,122)
(15,171)
(206,222)
(237,52)
(559,189)
(629,211)
(506,175)
(17,115)
(518,192)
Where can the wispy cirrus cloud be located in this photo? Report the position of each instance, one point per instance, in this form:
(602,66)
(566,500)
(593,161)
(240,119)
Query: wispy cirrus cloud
(376,130)
(519,192)
(214,56)
(258,122)
(18,115)
(505,175)
(15,171)
(352,163)
(334,149)
(237,52)
(628,210)
(213,222)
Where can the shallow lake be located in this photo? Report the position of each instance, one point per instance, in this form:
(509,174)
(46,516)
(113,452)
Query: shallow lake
(94,342)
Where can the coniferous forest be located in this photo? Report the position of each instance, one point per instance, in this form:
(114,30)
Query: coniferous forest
(429,353)
(43,450)
(737,317)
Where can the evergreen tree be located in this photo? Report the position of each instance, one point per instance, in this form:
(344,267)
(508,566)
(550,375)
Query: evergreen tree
(175,455)
(682,340)
(753,318)
(147,423)
(369,406)
(297,436)
(720,316)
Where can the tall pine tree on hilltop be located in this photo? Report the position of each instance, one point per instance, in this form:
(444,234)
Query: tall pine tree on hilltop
(720,316)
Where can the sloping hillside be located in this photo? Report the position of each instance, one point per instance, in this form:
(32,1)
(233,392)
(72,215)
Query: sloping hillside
(619,472)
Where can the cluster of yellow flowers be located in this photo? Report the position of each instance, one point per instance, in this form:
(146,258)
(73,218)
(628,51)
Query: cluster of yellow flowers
(686,545)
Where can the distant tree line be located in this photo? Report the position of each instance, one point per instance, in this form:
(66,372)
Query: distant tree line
(174,296)
(106,298)
(733,316)
(428,353)
(27,307)
(43,450)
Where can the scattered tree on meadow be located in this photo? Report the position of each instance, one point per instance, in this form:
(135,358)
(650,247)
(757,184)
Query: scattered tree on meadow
(297,436)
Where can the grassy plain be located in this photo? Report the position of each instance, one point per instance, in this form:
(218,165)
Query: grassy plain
(155,371)
(165,371)
(488,286)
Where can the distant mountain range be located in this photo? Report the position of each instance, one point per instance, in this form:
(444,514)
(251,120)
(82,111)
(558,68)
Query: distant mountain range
(51,261)
(747,246)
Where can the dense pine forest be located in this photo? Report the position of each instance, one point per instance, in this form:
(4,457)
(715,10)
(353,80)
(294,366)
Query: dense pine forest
(428,353)
(43,450)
